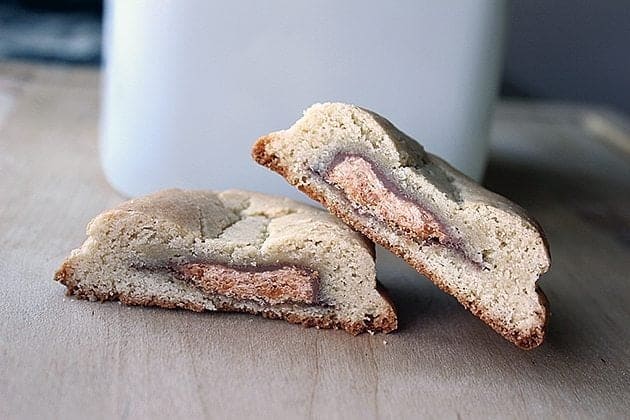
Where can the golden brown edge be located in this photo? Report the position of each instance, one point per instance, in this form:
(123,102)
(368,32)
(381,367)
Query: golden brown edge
(529,341)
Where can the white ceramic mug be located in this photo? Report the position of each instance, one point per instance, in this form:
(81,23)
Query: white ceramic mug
(189,85)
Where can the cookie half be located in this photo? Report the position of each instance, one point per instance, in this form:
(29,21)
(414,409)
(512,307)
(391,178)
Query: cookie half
(474,244)
(231,251)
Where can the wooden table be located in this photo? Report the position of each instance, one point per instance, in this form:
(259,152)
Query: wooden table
(63,358)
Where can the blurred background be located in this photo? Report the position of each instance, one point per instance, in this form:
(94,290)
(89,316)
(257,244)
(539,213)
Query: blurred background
(573,50)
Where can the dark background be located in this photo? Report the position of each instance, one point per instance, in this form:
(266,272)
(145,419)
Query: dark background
(567,50)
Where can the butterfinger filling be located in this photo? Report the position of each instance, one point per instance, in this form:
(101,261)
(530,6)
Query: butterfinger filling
(268,285)
(369,191)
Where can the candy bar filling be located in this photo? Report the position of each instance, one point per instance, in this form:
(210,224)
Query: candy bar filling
(370,192)
(267,285)
(360,183)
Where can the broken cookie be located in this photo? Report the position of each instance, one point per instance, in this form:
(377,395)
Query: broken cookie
(474,244)
(231,251)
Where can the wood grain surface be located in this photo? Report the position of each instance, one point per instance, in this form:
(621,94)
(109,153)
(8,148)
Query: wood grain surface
(63,358)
